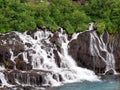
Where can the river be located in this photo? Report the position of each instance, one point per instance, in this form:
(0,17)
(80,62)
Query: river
(110,83)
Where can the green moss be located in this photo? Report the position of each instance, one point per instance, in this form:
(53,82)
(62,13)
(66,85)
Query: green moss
(7,64)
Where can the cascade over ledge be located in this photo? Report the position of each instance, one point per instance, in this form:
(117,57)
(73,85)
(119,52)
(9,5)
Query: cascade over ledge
(44,59)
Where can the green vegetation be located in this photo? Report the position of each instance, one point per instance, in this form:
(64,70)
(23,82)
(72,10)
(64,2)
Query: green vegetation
(22,15)
(6,63)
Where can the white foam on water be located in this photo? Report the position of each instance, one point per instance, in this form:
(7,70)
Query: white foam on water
(43,58)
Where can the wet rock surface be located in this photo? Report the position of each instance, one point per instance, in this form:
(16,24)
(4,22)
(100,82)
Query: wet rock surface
(80,50)
(23,56)
(117,51)
(110,72)
(34,77)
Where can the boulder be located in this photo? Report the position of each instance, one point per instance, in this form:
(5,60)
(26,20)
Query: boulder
(110,72)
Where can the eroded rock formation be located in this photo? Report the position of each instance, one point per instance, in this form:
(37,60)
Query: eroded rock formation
(26,54)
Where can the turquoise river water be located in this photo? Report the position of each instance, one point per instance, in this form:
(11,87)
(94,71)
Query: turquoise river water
(111,83)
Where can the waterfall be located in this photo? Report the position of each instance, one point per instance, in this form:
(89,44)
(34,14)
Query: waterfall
(49,63)
(39,52)
(71,72)
(97,46)
(110,60)
(3,81)
(43,59)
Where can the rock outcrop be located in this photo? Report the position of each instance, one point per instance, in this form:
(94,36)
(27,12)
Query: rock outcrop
(12,45)
(110,72)
(33,77)
(36,54)
(117,51)
(80,50)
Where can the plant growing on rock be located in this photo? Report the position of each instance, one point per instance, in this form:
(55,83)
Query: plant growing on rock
(6,64)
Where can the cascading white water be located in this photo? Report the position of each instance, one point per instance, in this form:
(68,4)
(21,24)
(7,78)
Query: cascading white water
(72,72)
(3,80)
(110,60)
(97,43)
(42,58)
(94,39)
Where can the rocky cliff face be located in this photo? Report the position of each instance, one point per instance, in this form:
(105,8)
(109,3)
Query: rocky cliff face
(116,43)
(98,53)
(80,50)
(46,57)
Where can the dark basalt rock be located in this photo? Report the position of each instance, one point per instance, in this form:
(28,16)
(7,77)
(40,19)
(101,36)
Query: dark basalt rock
(10,41)
(55,40)
(0,82)
(4,53)
(73,48)
(105,37)
(117,51)
(25,77)
(21,65)
(79,49)
(110,72)
(57,58)
(55,76)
